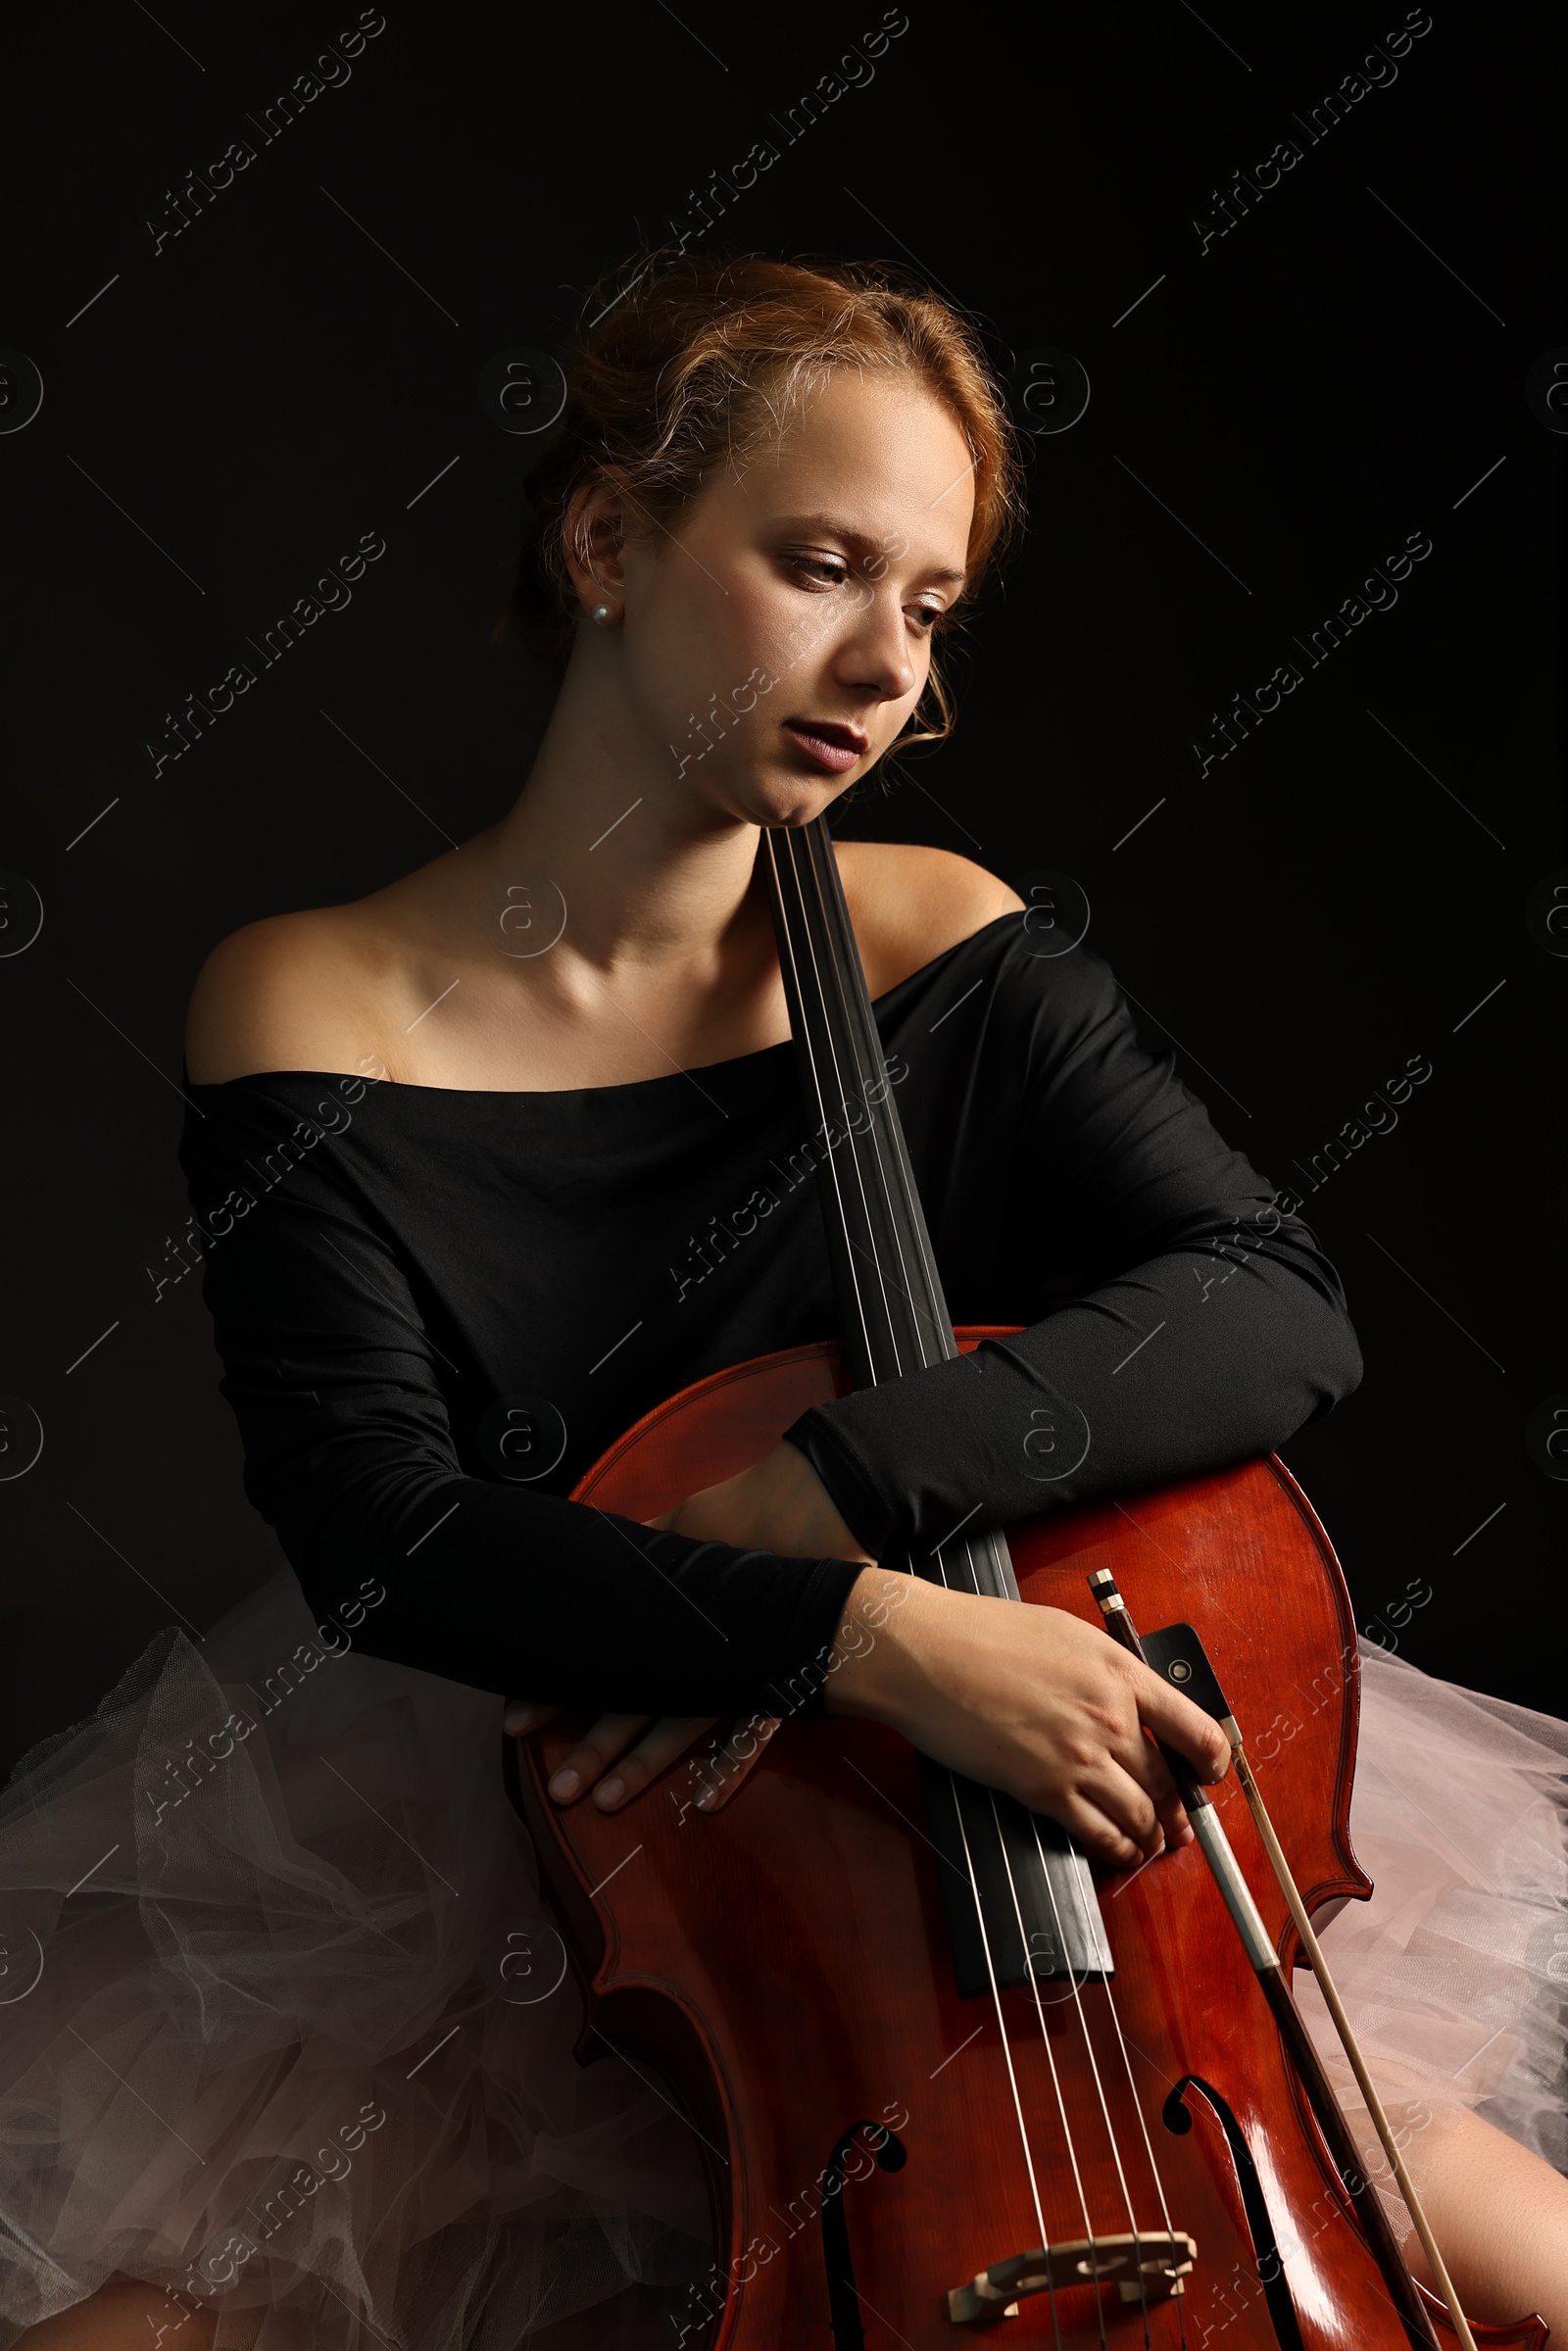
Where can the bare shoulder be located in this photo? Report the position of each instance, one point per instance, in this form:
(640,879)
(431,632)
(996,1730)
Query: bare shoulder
(910,905)
(291,992)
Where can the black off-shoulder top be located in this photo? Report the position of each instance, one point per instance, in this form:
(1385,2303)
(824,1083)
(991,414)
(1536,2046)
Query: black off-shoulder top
(390,1268)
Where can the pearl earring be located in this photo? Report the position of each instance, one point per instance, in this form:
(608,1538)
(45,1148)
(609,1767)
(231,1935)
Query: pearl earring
(603,614)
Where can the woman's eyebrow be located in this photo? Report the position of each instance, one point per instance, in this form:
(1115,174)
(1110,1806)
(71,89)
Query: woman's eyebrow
(863,542)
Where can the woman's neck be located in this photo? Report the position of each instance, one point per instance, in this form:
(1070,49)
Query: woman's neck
(650,873)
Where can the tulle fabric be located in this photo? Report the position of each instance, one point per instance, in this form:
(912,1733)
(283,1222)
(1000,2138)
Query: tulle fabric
(286,2030)
(1455,1973)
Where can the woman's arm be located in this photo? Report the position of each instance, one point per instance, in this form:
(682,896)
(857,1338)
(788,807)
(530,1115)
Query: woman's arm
(332,1367)
(1032,1700)
(1200,1324)
(1207,1326)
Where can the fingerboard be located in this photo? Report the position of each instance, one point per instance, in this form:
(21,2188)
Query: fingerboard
(1014,1870)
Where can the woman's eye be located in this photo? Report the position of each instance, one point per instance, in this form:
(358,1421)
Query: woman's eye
(827,573)
(823,571)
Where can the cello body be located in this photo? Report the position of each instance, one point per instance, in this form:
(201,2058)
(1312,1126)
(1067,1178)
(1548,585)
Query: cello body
(782,1965)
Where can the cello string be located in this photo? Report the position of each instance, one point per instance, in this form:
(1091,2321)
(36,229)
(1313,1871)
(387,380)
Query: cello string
(1050,2060)
(1085,1913)
(921,1239)
(809,1054)
(851,1001)
(888,1320)
(1137,2109)
(1100,2087)
(1084,1906)
(1075,1993)
(1143,2125)
(816,1080)
(885,1185)
(1018,2099)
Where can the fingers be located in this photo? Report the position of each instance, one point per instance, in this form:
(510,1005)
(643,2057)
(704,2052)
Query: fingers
(1140,1757)
(1117,1822)
(1126,1805)
(606,1739)
(1182,1725)
(624,1753)
(740,1753)
(1128,1802)
(1173,1819)
(1100,1836)
(523,1715)
(639,1747)
(671,1735)
(1114,1819)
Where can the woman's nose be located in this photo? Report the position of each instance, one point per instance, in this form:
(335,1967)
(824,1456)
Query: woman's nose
(877,652)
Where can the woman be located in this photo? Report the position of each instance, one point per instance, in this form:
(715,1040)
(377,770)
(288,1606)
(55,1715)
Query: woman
(467,1154)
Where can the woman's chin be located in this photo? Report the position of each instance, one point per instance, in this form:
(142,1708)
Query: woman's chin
(771,793)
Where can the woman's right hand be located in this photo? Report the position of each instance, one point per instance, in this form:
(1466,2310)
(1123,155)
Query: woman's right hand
(1031,1701)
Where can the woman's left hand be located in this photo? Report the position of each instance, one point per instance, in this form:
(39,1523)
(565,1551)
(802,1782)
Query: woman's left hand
(778,1505)
(619,1755)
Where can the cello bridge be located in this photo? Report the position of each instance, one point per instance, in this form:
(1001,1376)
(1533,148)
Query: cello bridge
(1145,2268)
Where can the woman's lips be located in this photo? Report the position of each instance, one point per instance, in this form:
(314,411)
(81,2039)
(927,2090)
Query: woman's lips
(834,748)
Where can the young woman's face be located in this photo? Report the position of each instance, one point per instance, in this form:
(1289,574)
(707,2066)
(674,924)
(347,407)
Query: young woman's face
(778,642)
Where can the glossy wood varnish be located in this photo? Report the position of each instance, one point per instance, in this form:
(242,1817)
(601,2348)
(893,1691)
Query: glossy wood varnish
(784,1963)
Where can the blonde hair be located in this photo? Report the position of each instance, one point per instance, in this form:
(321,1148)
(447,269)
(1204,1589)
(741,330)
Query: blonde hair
(697,361)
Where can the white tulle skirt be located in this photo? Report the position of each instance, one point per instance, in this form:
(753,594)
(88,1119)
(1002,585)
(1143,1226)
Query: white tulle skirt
(1455,1973)
(286,2030)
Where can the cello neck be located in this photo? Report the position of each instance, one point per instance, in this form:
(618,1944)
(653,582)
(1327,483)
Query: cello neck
(1020,1905)
(893,1316)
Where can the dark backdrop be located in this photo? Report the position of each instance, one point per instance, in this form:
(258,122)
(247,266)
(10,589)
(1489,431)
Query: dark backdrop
(1285,388)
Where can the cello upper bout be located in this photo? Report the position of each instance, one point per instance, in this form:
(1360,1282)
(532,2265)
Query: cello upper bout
(712,1430)
(1241,1554)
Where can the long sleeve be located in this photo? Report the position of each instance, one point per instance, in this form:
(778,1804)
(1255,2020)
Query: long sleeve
(1199,1324)
(332,1354)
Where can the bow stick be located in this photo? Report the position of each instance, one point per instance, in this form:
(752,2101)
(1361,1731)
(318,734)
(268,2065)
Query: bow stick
(1210,1831)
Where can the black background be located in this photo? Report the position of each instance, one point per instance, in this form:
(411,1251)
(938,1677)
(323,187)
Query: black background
(300,365)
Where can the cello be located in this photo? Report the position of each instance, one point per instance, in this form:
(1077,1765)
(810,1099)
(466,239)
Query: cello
(943,2079)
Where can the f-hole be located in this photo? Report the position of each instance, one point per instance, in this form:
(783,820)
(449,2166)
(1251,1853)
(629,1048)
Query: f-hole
(843,2300)
(1270,2266)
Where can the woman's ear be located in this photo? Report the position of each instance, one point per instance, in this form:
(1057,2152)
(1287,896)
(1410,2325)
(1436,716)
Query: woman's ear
(593,530)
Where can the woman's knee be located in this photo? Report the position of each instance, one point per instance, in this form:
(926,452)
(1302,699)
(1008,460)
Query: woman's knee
(127,2315)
